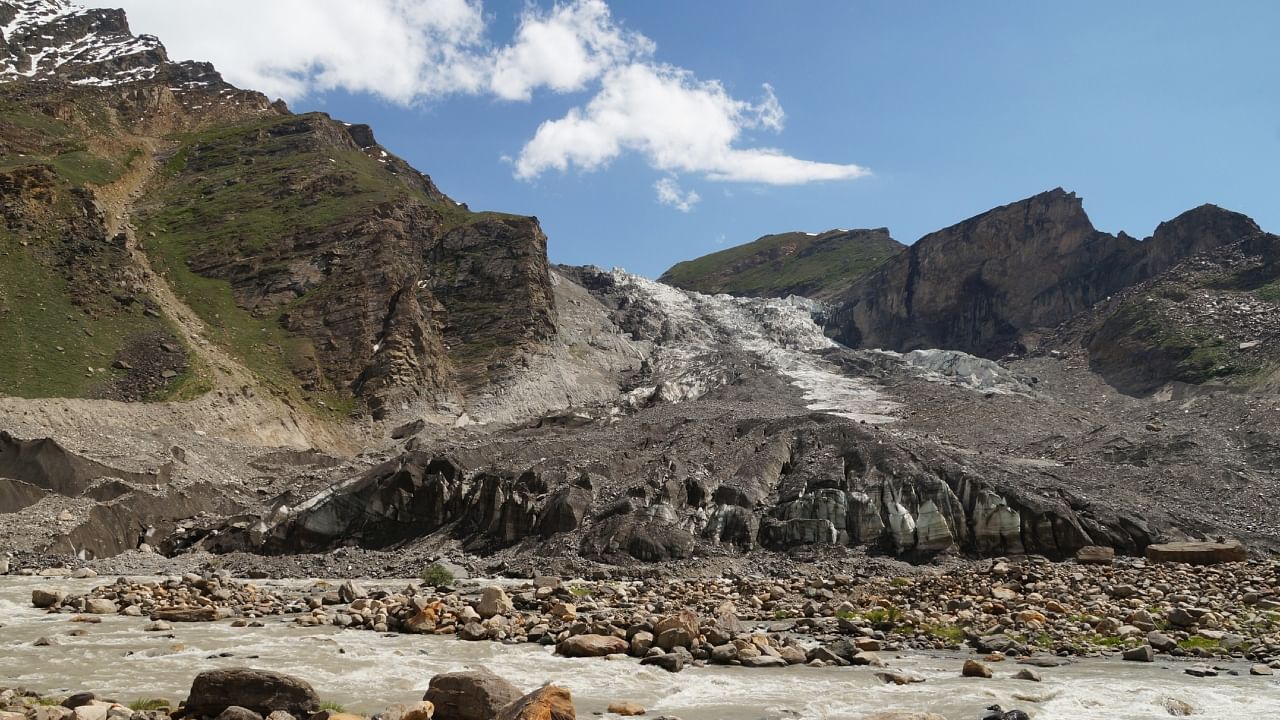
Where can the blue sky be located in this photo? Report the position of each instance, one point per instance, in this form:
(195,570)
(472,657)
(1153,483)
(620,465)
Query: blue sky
(1145,109)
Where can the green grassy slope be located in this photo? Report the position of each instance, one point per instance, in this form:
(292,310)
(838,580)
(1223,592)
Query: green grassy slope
(64,316)
(798,263)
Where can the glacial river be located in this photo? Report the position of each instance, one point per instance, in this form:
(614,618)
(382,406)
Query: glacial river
(365,671)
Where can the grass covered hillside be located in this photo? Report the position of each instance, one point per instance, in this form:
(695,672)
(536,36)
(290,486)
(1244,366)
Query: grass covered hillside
(332,269)
(817,265)
(74,319)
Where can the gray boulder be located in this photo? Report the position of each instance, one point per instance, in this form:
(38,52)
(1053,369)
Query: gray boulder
(260,691)
(470,694)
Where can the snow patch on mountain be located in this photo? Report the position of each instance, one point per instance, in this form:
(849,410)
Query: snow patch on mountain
(56,39)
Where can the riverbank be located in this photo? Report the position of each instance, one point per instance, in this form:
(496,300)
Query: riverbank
(1009,607)
(365,672)
(763,644)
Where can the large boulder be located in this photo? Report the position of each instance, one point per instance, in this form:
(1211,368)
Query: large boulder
(1198,553)
(549,702)
(493,601)
(261,691)
(100,606)
(470,694)
(47,597)
(592,646)
(187,614)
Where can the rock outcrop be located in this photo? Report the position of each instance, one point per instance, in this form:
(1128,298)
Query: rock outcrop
(477,694)
(1207,320)
(261,691)
(983,285)
(815,265)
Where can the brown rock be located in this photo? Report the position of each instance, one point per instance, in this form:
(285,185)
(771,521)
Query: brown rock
(423,710)
(261,691)
(1198,553)
(973,668)
(476,694)
(1095,555)
(493,601)
(194,614)
(550,702)
(625,708)
(592,646)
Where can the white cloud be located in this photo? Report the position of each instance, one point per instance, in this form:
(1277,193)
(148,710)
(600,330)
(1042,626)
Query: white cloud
(679,123)
(563,50)
(401,50)
(670,193)
(409,51)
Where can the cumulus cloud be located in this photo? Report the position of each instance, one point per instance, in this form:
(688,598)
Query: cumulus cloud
(670,193)
(679,123)
(563,50)
(401,50)
(410,51)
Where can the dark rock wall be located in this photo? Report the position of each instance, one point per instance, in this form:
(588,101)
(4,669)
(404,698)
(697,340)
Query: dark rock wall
(980,286)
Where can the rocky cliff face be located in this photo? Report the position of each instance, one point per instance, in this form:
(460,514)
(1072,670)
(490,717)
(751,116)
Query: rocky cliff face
(337,274)
(815,265)
(384,288)
(984,285)
(977,286)
(1210,319)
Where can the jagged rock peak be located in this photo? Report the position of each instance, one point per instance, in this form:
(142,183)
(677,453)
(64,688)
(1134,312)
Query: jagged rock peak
(57,40)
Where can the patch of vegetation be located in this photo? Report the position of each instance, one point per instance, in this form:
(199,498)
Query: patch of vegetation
(953,634)
(579,590)
(48,701)
(901,582)
(783,615)
(234,193)
(786,263)
(149,704)
(436,575)
(1109,641)
(332,706)
(49,342)
(891,615)
(1199,642)
(1171,350)
(1269,293)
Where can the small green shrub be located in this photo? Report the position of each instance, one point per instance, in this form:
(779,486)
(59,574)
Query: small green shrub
(332,706)
(436,574)
(149,704)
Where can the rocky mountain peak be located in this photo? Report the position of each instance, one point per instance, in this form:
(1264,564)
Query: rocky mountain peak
(1197,230)
(56,40)
(984,284)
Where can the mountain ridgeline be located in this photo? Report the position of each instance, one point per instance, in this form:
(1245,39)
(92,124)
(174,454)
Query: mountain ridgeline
(244,328)
(336,274)
(997,283)
(816,265)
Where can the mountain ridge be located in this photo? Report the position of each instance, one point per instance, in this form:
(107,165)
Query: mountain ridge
(794,263)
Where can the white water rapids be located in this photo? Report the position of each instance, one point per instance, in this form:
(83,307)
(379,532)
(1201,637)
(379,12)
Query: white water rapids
(366,671)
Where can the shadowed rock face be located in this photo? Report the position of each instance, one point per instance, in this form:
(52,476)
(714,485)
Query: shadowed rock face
(788,482)
(978,285)
(982,285)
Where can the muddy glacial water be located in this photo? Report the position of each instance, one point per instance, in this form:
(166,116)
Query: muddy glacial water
(365,671)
